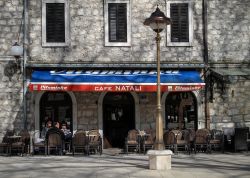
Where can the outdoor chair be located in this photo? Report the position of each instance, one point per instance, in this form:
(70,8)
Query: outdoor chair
(241,138)
(38,144)
(5,145)
(202,138)
(20,143)
(182,140)
(25,137)
(169,140)
(148,140)
(217,140)
(55,141)
(11,142)
(95,141)
(80,143)
(132,141)
(191,139)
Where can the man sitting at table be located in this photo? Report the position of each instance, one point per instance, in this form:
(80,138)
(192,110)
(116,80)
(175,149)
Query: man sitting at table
(67,132)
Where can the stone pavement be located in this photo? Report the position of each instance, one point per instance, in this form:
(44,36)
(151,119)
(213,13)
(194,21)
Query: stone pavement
(215,165)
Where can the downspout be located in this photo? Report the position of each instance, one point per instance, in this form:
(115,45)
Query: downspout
(25,45)
(205,57)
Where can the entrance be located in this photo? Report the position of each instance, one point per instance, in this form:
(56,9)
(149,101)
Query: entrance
(118,118)
(56,106)
(181,111)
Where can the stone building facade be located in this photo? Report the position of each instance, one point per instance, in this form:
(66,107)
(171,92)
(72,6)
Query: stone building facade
(228,25)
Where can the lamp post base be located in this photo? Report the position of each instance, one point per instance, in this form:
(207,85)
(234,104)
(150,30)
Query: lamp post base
(160,159)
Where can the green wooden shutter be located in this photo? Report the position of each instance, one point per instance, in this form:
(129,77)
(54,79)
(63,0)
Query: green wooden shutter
(117,17)
(55,22)
(180,23)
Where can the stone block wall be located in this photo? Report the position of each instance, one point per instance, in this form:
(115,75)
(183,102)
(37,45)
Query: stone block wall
(11,99)
(10,21)
(228,31)
(148,110)
(87,110)
(87,36)
(231,107)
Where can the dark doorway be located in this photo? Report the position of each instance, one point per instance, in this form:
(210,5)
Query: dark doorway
(118,118)
(56,106)
(181,111)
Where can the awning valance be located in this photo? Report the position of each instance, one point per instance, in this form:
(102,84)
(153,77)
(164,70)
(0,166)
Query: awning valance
(115,80)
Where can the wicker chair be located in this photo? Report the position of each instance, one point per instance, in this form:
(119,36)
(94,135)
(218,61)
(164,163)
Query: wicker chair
(202,138)
(95,141)
(55,141)
(132,141)
(182,140)
(80,143)
(191,139)
(169,140)
(148,140)
(217,140)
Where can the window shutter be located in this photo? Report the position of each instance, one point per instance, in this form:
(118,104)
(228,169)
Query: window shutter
(117,14)
(180,24)
(55,22)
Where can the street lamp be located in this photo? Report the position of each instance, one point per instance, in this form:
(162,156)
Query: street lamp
(17,51)
(158,21)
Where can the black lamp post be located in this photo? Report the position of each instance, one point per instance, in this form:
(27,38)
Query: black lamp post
(158,21)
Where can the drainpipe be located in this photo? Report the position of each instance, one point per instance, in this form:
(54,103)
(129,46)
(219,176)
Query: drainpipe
(25,44)
(205,57)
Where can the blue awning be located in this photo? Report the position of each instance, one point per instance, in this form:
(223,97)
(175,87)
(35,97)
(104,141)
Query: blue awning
(113,80)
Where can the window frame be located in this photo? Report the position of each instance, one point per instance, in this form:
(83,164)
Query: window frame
(66,15)
(106,23)
(190,21)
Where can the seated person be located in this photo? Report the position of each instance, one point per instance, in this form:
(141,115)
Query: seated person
(67,132)
(57,124)
(56,130)
(45,129)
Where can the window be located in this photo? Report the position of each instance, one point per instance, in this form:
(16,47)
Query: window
(55,23)
(117,23)
(180,32)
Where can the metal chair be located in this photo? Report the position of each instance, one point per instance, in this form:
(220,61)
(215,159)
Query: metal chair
(132,141)
(80,143)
